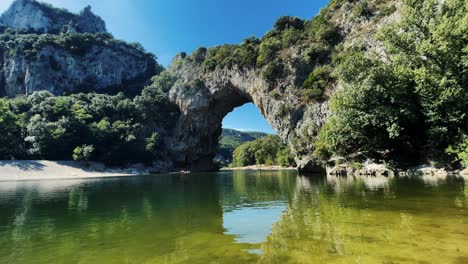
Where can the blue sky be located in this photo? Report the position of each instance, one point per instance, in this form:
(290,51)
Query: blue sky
(166,27)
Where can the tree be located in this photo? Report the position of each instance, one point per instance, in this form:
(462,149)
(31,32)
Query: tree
(374,116)
(287,22)
(269,150)
(10,139)
(83,153)
(430,43)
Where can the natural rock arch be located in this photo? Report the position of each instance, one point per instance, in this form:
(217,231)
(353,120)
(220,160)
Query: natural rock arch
(205,98)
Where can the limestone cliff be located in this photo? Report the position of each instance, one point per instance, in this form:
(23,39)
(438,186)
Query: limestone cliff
(81,58)
(211,83)
(41,17)
(91,63)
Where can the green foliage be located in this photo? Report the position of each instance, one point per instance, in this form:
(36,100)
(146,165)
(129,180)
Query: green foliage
(199,55)
(226,56)
(153,102)
(118,129)
(83,153)
(269,150)
(153,142)
(287,22)
(460,152)
(323,30)
(319,80)
(374,116)
(231,139)
(387,10)
(273,71)
(291,37)
(362,9)
(268,49)
(413,103)
(430,43)
(10,131)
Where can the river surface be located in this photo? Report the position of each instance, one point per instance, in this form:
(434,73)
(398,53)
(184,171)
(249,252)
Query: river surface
(235,217)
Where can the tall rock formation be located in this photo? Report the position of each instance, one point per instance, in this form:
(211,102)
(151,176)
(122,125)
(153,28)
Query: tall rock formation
(40,17)
(83,57)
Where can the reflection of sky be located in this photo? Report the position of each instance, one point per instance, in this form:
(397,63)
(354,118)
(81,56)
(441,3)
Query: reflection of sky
(252,224)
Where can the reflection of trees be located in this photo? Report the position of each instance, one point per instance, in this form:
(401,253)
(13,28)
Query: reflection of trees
(179,219)
(249,187)
(361,223)
(132,220)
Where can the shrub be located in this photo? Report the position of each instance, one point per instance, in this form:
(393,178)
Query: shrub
(273,71)
(287,22)
(362,9)
(319,80)
(322,30)
(199,55)
(291,37)
(387,10)
(268,50)
(459,152)
(83,153)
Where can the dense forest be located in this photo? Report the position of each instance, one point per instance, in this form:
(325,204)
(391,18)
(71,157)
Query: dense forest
(109,128)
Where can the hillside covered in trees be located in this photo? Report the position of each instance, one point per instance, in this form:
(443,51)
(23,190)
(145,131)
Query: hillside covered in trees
(231,139)
(268,150)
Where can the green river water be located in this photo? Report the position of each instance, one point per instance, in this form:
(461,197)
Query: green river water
(235,217)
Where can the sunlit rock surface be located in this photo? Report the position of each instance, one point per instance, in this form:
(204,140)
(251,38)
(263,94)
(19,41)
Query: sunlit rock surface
(41,17)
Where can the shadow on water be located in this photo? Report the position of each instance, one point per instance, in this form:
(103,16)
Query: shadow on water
(235,217)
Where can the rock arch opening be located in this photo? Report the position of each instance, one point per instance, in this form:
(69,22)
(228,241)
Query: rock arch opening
(242,125)
(196,140)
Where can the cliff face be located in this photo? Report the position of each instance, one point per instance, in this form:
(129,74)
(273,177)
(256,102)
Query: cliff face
(81,58)
(98,66)
(40,17)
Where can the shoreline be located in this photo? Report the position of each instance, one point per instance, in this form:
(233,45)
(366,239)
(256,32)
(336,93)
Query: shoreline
(259,168)
(32,170)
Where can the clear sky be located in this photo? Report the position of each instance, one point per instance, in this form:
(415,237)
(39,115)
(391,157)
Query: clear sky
(166,27)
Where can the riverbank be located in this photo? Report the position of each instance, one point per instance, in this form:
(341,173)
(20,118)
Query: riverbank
(54,170)
(372,169)
(259,167)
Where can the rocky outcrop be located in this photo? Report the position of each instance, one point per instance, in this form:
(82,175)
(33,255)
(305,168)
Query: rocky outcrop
(82,58)
(110,66)
(43,18)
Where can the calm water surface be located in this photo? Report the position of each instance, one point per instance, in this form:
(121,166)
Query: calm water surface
(239,217)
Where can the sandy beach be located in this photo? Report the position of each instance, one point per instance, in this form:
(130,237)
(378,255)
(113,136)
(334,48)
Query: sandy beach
(53,170)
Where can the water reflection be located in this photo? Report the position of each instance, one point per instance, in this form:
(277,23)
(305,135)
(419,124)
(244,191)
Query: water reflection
(240,217)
